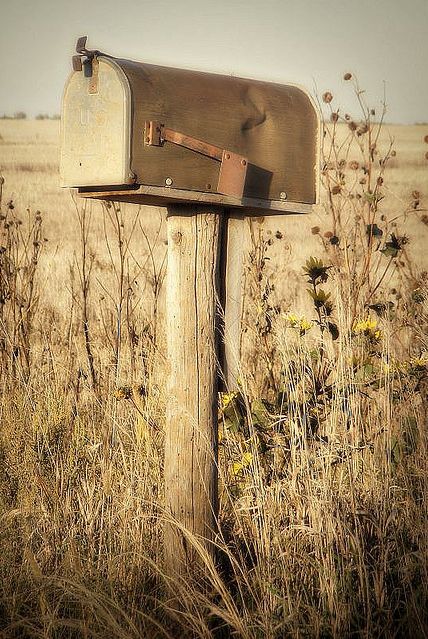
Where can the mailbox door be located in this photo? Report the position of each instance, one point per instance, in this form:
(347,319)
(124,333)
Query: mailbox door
(96,127)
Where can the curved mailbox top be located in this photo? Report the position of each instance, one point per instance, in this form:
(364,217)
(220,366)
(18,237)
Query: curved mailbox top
(139,132)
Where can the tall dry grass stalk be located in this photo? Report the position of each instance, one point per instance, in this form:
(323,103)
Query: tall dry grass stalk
(323,450)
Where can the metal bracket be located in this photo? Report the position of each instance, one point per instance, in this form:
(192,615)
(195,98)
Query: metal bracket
(233,167)
(84,55)
(87,60)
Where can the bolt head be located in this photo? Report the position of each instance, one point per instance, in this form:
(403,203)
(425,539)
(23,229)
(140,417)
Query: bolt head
(283,195)
(168,181)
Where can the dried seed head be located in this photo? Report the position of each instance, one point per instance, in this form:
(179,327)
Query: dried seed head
(347,117)
(278,235)
(334,116)
(393,153)
(315,230)
(347,76)
(379,181)
(354,165)
(362,129)
(416,195)
(336,189)
(372,112)
(352,126)
(327,97)
(328,234)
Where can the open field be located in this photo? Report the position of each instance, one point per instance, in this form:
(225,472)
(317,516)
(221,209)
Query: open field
(29,161)
(323,454)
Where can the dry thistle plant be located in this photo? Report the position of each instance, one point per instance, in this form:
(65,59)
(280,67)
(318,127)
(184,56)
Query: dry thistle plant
(21,242)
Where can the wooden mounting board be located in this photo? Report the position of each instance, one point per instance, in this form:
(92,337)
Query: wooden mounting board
(159,196)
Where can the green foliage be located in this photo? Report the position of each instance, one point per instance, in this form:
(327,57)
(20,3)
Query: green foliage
(316,271)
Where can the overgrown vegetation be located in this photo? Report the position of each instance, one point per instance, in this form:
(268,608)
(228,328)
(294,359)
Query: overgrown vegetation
(323,447)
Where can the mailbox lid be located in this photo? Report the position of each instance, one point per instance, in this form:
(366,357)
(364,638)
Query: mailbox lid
(96,122)
(277,127)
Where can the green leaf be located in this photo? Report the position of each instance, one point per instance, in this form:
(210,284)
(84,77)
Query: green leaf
(260,412)
(316,271)
(394,245)
(372,230)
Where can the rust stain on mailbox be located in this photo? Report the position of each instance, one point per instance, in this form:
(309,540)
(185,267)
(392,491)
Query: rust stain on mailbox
(127,127)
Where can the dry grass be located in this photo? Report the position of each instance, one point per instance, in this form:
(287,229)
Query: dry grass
(323,461)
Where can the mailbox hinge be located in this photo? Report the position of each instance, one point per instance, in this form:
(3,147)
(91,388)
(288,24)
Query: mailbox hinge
(233,167)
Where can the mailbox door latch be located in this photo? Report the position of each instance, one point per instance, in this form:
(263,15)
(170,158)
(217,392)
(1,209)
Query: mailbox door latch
(233,167)
(86,59)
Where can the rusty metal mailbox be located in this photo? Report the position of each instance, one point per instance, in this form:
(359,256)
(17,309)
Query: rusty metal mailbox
(154,135)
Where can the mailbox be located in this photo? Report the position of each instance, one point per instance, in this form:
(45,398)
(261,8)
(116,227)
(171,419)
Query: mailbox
(148,134)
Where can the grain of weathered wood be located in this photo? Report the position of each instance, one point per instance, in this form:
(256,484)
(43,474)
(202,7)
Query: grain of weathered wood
(191,429)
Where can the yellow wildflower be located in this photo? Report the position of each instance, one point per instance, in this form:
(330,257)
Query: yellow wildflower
(419,363)
(246,461)
(304,324)
(294,321)
(291,319)
(226,399)
(367,327)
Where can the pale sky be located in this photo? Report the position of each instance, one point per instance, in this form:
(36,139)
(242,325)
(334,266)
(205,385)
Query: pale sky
(308,42)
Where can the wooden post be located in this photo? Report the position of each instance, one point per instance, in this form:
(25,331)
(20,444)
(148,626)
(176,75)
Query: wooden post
(191,427)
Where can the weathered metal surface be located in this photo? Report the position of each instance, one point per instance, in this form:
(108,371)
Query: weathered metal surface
(233,169)
(93,80)
(96,128)
(233,174)
(274,127)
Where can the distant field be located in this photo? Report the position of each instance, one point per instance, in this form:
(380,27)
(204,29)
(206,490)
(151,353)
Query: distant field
(29,160)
